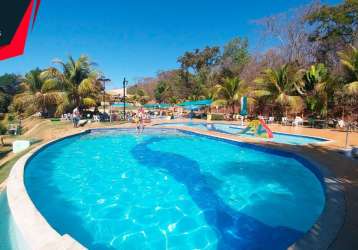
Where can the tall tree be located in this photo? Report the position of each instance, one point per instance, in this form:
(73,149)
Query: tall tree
(349,60)
(9,86)
(161,92)
(195,66)
(38,95)
(335,27)
(235,56)
(287,32)
(317,88)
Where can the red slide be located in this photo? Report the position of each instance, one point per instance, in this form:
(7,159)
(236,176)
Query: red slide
(268,130)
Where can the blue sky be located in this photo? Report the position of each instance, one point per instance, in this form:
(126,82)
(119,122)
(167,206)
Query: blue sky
(136,38)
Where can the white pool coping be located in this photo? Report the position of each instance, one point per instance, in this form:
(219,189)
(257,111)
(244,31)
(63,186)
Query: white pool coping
(33,227)
(39,235)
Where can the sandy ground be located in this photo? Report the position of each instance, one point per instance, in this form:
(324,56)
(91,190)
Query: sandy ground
(328,155)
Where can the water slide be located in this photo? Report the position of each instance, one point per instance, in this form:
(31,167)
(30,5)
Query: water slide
(268,130)
(259,128)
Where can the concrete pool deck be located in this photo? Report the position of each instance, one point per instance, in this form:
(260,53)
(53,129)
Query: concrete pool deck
(341,171)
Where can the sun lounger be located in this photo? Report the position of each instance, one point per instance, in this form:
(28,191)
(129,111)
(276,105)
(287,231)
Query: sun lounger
(96,118)
(298,121)
(81,123)
(284,120)
(271,119)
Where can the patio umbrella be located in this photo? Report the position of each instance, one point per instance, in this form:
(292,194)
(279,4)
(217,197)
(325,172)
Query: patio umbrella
(243,110)
(164,106)
(151,106)
(192,107)
(157,106)
(121,105)
(206,102)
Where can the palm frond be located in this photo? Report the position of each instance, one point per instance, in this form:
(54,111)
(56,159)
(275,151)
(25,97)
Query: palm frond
(351,88)
(89,102)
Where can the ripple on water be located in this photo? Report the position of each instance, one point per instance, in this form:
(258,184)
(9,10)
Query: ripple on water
(166,190)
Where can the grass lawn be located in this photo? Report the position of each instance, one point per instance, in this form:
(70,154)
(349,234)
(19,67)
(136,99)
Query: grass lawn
(6,167)
(4,150)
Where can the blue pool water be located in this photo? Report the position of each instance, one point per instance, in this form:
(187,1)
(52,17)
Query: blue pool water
(235,129)
(165,189)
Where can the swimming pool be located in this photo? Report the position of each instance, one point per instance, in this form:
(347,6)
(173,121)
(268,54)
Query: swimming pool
(235,129)
(166,189)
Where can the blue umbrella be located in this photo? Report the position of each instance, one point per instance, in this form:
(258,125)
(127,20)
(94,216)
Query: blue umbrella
(192,107)
(243,110)
(206,102)
(121,105)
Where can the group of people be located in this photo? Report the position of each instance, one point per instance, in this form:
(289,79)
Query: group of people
(138,118)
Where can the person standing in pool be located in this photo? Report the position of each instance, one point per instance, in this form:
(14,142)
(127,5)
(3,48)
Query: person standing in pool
(137,123)
(141,119)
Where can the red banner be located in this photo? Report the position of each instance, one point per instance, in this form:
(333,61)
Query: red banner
(15,17)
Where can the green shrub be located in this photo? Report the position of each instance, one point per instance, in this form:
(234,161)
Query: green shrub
(11,117)
(3,129)
(217,117)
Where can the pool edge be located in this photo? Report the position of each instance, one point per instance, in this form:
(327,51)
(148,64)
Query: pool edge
(36,232)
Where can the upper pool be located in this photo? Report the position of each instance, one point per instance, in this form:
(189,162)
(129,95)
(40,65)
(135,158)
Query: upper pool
(166,189)
(235,129)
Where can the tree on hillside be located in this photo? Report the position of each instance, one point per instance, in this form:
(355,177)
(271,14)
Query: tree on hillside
(139,96)
(161,92)
(147,84)
(9,86)
(195,67)
(287,34)
(335,27)
(235,56)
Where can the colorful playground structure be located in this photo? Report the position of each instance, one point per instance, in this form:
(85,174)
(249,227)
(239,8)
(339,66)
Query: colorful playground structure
(258,128)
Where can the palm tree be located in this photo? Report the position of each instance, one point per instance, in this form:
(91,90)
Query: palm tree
(38,94)
(317,88)
(229,92)
(349,60)
(77,79)
(211,94)
(173,100)
(281,86)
